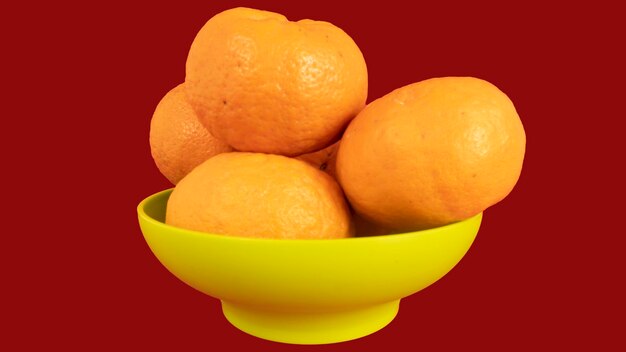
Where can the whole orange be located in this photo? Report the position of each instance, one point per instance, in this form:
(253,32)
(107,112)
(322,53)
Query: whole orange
(262,83)
(432,153)
(178,141)
(259,195)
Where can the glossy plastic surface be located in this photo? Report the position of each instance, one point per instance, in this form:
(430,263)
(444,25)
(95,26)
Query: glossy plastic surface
(306,291)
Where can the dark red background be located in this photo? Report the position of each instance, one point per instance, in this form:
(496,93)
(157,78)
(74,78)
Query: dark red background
(544,273)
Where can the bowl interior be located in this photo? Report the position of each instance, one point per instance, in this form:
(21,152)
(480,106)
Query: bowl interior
(304,274)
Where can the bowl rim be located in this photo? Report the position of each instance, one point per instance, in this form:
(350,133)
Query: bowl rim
(147,218)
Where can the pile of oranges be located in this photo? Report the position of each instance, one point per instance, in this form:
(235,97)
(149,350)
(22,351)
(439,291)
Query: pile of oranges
(270,137)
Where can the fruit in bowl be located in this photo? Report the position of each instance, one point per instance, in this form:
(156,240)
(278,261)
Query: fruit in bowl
(306,212)
(178,141)
(260,195)
(262,83)
(431,153)
(307,291)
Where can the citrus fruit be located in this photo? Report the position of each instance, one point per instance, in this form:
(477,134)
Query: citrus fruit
(323,159)
(178,141)
(259,195)
(431,153)
(262,83)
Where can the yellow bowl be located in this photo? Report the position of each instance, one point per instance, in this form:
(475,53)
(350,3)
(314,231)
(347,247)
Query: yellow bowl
(306,291)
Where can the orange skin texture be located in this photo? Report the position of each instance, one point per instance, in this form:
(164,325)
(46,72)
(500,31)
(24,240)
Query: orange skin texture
(262,83)
(178,141)
(323,159)
(261,196)
(432,153)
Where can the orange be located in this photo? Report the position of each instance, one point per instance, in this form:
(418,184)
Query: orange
(259,195)
(432,153)
(178,141)
(262,83)
(323,159)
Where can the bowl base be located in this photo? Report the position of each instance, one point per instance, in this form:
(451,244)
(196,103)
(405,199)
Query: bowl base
(311,328)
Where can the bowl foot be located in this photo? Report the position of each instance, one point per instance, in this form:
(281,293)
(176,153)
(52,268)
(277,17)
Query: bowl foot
(311,328)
